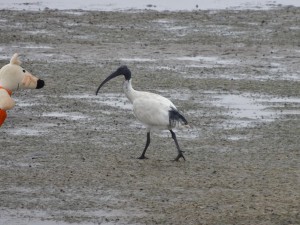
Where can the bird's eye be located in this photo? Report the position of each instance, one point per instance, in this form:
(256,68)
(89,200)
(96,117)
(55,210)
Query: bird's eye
(24,71)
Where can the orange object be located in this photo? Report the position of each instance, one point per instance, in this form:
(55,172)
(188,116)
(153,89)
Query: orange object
(3,116)
(3,113)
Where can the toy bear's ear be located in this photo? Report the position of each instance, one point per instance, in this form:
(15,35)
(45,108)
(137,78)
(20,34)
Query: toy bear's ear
(15,59)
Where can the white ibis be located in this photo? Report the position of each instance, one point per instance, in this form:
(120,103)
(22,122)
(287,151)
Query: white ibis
(153,110)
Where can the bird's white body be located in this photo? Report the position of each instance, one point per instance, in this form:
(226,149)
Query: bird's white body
(149,108)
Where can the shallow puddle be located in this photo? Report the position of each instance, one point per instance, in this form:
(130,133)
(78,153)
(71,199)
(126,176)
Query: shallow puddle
(25,131)
(249,110)
(208,59)
(137,59)
(66,115)
(161,5)
(117,100)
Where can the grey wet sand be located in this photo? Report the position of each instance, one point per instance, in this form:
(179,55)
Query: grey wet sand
(70,156)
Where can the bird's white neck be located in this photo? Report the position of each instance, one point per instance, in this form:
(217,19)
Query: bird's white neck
(129,91)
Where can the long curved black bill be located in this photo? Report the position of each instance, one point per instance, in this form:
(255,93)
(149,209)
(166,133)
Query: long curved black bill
(113,75)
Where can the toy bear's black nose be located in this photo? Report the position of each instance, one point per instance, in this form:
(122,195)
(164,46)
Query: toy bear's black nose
(40,84)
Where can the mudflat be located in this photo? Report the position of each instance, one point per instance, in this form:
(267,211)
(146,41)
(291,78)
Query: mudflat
(70,157)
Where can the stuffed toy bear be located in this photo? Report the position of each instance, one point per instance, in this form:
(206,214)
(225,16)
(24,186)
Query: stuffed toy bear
(13,77)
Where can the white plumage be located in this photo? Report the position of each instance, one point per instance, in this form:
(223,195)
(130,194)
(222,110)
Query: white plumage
(153,110)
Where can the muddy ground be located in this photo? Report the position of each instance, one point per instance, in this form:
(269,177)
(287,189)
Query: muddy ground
(69,157)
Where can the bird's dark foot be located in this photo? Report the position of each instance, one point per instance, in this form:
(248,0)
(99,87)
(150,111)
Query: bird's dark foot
(142,157)
(180,155)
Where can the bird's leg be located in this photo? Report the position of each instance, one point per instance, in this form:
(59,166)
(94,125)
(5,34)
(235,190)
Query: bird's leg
(180,155)
(147,144)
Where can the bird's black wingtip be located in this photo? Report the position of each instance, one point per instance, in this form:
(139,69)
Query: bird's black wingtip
(176,117)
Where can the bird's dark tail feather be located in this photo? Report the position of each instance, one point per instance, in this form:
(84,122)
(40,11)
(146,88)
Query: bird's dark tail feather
(176,117)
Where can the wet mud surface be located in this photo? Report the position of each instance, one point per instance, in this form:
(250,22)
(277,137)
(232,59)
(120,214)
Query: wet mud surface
(69,157)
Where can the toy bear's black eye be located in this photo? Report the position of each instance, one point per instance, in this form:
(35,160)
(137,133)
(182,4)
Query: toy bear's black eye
(24,71)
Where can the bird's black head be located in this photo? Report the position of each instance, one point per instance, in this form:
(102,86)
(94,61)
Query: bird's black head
(122,70)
